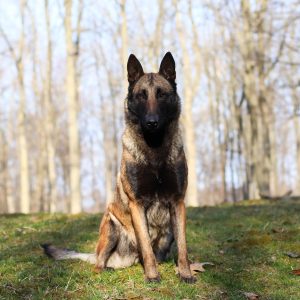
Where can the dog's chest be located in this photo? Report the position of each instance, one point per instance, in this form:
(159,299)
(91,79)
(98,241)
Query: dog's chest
(162,182)
(158,216)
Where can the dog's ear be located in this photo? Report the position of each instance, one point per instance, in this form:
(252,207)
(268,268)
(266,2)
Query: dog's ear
(134,69)
(167,67)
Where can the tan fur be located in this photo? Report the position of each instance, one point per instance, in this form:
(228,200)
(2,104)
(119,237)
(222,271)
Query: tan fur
(147,79)
(148,209)
(140,152)
(146,229)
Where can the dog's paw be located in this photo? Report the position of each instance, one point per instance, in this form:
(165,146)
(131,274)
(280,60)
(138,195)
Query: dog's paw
(189,279)
(98,270)
(156,279)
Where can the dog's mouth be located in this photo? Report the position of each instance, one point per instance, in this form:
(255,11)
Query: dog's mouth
(151,128)
(154,136)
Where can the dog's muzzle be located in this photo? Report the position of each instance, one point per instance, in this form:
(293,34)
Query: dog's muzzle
(151,121)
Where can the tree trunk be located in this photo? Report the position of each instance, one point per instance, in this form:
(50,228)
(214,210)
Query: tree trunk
(39,174)
(23,152)
(72,97)
(274,182)
(3,170)
(50,118)
(40,197)
(124,47)
(189,126)
(190,147)
(297,136)
(257,135)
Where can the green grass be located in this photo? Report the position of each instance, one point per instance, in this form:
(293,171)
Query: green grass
(246,242)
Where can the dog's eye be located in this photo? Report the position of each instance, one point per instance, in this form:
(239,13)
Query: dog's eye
(142,95)
(160,93)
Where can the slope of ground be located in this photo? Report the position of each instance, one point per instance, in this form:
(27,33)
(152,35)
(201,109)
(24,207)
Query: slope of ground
(247,243)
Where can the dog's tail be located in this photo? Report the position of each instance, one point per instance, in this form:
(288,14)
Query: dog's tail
(61,254)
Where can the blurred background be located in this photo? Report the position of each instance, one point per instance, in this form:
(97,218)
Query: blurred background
(63,82)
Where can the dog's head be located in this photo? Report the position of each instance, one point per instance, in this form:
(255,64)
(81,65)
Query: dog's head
(152,101)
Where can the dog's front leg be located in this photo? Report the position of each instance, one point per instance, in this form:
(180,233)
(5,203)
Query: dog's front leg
(140,227)
(178,218)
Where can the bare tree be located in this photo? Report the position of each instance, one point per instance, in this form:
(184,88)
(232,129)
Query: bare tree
(293,84)
(72,96)
(50,116)
(237,73)
(190,84)
(18,57)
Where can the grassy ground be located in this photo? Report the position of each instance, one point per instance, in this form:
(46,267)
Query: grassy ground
(246,242)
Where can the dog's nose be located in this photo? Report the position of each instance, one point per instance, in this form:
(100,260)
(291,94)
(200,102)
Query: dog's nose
(152,124)
(152,121)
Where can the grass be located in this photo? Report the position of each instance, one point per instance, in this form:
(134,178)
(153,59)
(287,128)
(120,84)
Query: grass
(246,242)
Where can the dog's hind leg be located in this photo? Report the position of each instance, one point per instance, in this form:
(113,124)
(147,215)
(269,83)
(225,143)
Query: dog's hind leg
(108,239)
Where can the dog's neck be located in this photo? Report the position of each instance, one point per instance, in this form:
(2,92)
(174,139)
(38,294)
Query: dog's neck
(135,141)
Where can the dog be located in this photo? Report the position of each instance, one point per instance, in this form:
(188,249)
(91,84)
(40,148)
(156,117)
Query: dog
(148,212)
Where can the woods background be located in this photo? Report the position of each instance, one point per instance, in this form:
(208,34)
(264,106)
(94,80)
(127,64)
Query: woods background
(63,85)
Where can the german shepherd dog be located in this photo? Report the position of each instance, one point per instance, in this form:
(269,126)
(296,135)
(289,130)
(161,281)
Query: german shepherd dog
(148,210)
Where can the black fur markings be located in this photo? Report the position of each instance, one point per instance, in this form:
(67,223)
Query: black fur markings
(181,172)
(154,139)
(166,182)
(47,249)
(167,107)
(53,252)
